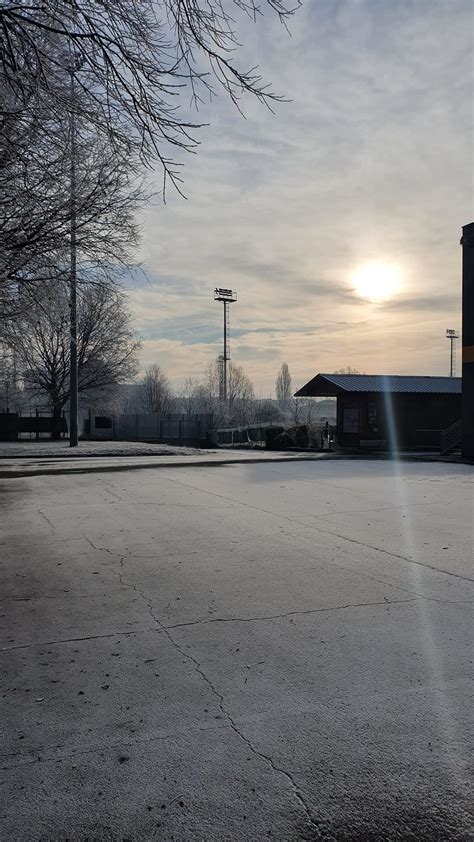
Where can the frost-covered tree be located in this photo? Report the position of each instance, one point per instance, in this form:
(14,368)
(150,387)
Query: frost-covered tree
(283,386)
(137,62)
(155,390)
(37,150)
(238,408)
(39,337)
(97,85)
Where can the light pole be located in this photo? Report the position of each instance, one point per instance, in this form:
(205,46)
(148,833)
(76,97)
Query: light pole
(452,335)
(227,296)
(73,390)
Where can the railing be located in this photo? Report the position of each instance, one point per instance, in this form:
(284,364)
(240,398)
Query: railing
(451,438)
(252,435)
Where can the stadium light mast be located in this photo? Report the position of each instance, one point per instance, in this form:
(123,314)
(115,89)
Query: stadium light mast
(227,296)
(452,335)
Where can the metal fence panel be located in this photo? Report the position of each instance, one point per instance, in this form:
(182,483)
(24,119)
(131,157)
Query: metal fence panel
(171,427)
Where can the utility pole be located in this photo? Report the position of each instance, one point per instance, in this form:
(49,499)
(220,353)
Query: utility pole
(73,436)
(227,296)
(452,335)
(75,65)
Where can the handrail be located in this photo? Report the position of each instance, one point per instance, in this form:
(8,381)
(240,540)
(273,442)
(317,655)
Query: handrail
(451,438)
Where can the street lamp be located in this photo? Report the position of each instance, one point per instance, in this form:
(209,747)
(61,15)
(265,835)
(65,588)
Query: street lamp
(73,379)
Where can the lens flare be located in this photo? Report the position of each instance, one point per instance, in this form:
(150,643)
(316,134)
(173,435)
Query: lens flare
(443,716)
(376,281)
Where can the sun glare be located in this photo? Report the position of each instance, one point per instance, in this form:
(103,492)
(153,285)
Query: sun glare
(376,281)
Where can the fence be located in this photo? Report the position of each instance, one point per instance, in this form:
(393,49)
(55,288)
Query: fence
(172,428)
(37,426)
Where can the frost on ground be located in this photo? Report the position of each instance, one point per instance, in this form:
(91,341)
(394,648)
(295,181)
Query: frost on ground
(277,651)
(92,448)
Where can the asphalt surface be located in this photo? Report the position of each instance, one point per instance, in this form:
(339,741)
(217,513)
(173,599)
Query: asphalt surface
(82,462)
(240,652)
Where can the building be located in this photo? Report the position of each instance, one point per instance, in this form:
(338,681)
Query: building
(389,412)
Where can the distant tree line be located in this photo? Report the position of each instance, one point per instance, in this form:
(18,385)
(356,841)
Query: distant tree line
(242,407)
(203,396)
(36,346)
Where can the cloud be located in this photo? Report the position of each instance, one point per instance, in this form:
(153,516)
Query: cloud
(367,162)
(420,305)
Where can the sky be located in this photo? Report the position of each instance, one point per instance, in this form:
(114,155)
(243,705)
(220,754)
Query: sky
(370,161)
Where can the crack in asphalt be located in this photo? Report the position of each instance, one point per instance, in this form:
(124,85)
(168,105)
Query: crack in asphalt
(111,490)
(225,712)
(388,552)
(116,566)
(363,574)
(332,564)
(220,699)
(353,572)
(101,549)
(72,640)
(292,520)
(76,752)
(208,620)
(197,666)
(161,627)
(416,596)
(37,597)
(48,521)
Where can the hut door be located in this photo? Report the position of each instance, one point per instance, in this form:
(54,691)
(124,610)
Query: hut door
(351,418)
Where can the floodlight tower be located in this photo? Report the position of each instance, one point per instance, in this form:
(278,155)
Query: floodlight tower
(227,296)
(452,335)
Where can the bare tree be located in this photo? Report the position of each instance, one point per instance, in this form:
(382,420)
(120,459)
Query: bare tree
(155,390)
(206,395)
(207,402)
(121,69)
(240,394)
(136,59)
(266,411)
(283,386)
(35,199)
(39,336)
(295,408)
(187,395)
(237,408)
(348,370)
(10,391)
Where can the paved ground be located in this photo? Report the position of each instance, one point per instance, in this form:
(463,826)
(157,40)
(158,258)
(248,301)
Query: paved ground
(241,652)
(177,457)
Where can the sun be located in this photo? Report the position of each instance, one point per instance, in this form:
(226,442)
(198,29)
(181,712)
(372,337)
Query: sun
(376,281)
